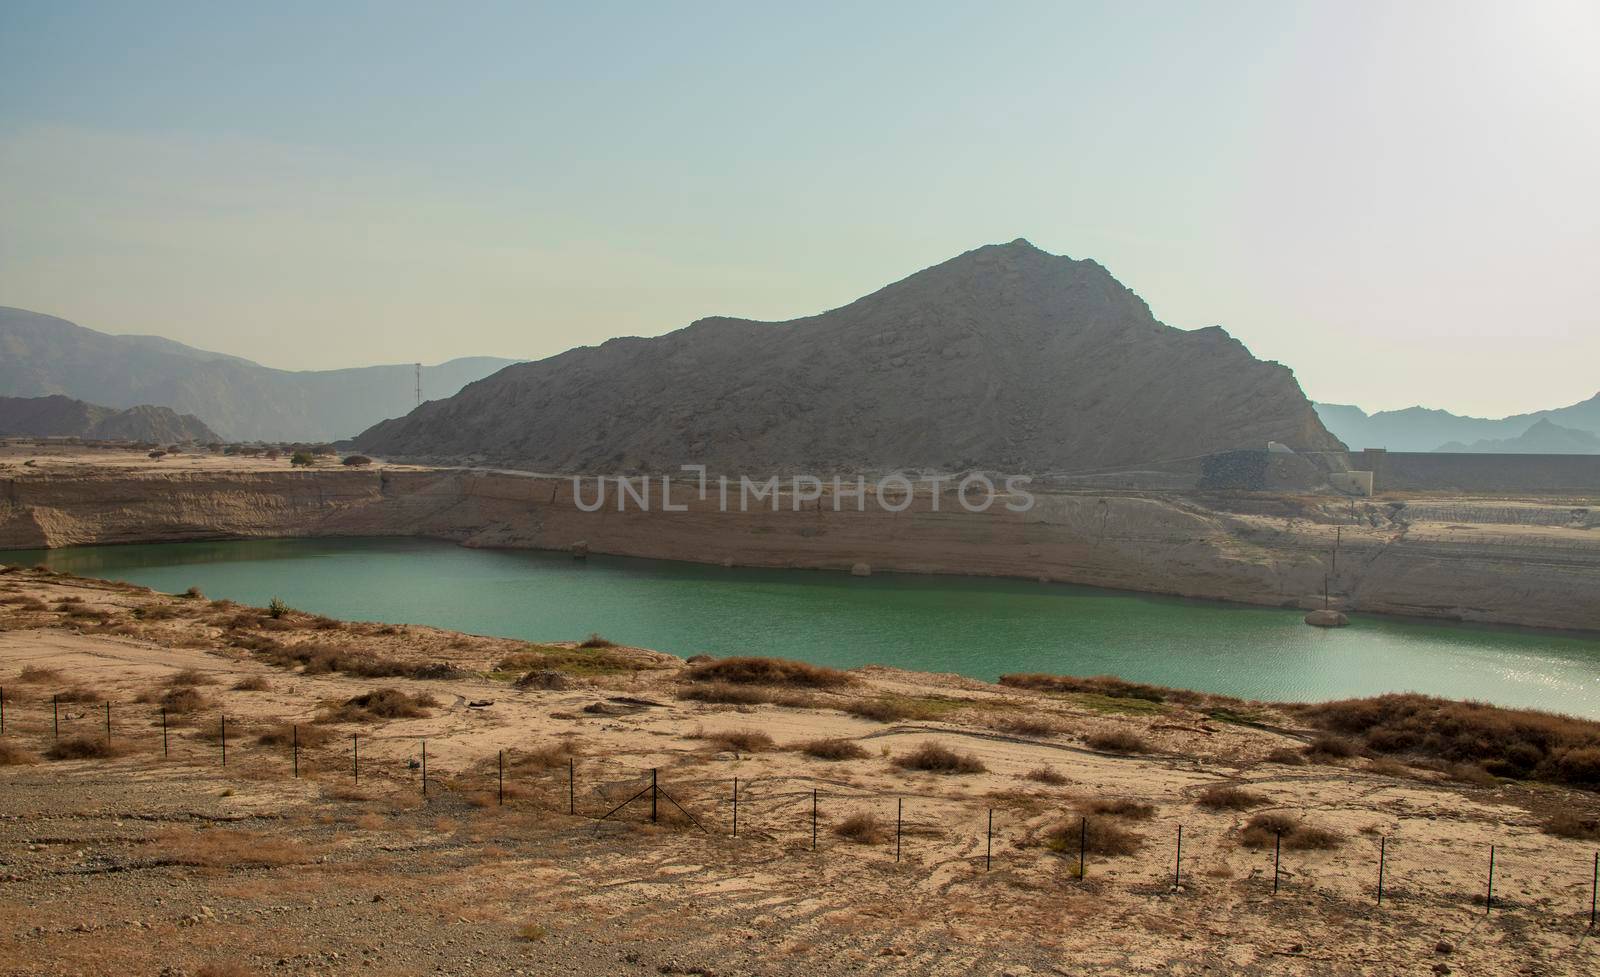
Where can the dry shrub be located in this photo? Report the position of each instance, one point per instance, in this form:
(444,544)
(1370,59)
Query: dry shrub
(1117,807)
(380,704)
(594,640)
(156,612)
(283,734)
(1565,824)
(597,660)
(224,848)
(545,757)
(1096,836)
(936,758)
(1287,757)
(833,748)
(12,755)
(1118,741)
(768,671)
(190,676)
(1262,831)
(863,829)
(1046,775)
(1029,726)
(1326,748)
(1223,797)
(78,694)
(184,700)
(741,740)
(315,658)
(883,710)
(1522,743)
(252,683)
(727,693)
(39,674)
(83,748)
(1109,686)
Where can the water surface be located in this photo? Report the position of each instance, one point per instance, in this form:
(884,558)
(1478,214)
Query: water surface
(974,626)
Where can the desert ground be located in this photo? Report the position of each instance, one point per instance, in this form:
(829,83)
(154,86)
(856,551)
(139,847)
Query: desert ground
(121,856)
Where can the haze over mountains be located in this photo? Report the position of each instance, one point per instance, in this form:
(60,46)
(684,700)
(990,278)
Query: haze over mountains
(62,417)
(1422,429)
(1005,357)
(42,355)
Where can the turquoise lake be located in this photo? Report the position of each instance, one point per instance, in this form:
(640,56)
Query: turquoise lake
(975,626)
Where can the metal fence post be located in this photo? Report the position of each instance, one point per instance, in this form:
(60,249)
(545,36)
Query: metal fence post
(736,807)
(224,727)
(501,789)
(1177,863)
(1083,844)
(899,814)
(424,768)
(355,755)
(1488,896)
(108,722)
(1383,851)
(988,842)
(164,750)
(1277,851)
(813,819)
(295,733)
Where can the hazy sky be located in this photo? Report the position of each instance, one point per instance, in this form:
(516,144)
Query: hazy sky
(1400,200)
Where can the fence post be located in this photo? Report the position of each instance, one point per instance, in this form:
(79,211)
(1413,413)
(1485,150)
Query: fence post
(1177,863)
(355,755)
(1488,896)
(501,790)
(1383,850)
(988,842)
(736,807)
(1594,889)
(55,715)
(295,732)
(572,790)
(224,727)
(899,814)
(424,768)
(654,792)
(164,750)
(1277,850)
(813,819)
(1083,845)
(2,710)
(108,722)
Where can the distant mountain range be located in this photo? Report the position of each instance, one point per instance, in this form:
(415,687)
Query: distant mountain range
(1543,438)
(1422,429)
(240,400)
(1005,357)
(62,417)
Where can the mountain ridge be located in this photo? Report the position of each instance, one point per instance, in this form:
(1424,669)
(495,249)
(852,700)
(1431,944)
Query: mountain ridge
(1427,428)
(57,416)
(241,400)
(942,369)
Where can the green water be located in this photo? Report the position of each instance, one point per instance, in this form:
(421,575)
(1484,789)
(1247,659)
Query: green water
(977,627)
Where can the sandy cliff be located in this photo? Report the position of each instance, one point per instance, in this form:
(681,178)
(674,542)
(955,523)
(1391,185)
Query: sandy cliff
(1501,561)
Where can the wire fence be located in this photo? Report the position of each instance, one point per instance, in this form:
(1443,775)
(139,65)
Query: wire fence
(815,815)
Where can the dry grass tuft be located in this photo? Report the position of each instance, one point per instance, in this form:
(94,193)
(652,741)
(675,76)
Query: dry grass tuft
(1118,741)
(12,755)
(863,829)
(184,700)
(768,671)
(78,694)
(1223,797)
(283,734)
(594,640)
(190,676)
(936,758)
(379,705)
(1324,749)
(1287,757)
(39,674)
(252,683)
(1568,825)
(225,848)
(727,693)
(1117,807)
(741,740)
(1262,831)
(83,748)
(1097,836)
(1033,726)
(1047,775)
(833,748)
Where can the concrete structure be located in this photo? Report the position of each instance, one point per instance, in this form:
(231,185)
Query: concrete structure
(1436,471)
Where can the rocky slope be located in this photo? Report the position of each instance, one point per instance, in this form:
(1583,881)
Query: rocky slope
(1005,357)
(243,401)
(1499,560)
(63,417)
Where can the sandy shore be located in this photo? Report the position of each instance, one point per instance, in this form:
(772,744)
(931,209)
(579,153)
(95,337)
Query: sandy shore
(143,861)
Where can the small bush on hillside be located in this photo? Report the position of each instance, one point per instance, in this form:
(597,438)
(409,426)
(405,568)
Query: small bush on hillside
(741,740)
(82,748)
(77,694)
(357,461)
(1287,757)
(594,640)
(1325,748)
(283,734)
(727,693)
(936,758)
(302,459)
(252,683)
(1117,807)
(833,748)
(380,704)
(1047,775)
(38,673)
(190,676)
(863,829)
(1118,741)
(183,700)
(1096,836)
(276,608)
(1263,830)
(1223,797)
(1568,825)
(12,755)
(768,671)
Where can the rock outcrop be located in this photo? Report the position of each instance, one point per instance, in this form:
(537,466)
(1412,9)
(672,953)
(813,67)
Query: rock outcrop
(63,417)
(1004,358)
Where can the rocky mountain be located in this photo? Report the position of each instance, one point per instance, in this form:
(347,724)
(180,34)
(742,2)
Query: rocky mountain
(1005,357)
(1424,429)
(62,417)
(243,401)
(1543,438)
